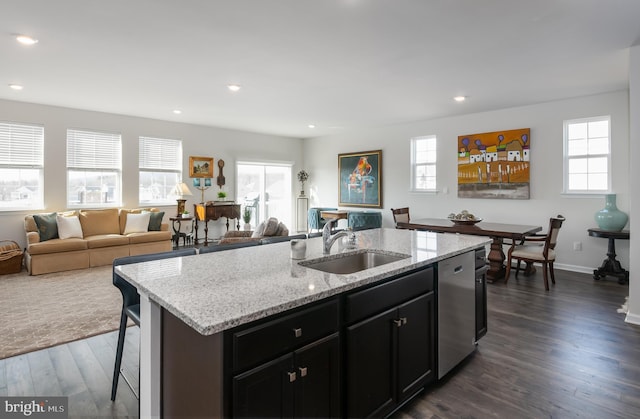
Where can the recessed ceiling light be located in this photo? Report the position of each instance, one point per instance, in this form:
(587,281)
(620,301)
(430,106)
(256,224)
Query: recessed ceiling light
(177,111)
(311,126)
(459,98)
(16,86)
(26,40)
(233,87)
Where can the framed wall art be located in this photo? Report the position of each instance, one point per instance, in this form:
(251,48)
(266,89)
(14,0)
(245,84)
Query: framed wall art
(360,179)
(201,167)
(494,164)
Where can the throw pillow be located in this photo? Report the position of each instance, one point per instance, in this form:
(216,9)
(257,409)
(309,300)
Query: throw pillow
(155,220)
(271,227)
(282,230)
(69,227)
(47,226)
(137,223)
(259,230)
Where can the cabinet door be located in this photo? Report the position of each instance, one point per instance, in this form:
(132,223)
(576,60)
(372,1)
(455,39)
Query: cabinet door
(481,303)
(370,365)
(317,389)
(416,357)
(265,391)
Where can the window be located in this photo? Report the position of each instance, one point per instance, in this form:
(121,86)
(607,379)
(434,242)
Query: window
(587,155)
(423,163)
(160,165)
(94,166)
(21,166)
(266,189)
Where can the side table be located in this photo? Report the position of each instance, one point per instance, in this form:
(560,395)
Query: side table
(610,266)
(176,224)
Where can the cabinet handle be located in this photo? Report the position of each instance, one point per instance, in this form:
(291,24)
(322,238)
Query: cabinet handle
(398,322)
(297,332)
(303,371)
(403,320)
(292,376)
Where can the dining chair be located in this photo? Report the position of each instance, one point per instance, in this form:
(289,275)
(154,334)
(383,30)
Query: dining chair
(400,215)
(131,304)
(313,217)
(537,248)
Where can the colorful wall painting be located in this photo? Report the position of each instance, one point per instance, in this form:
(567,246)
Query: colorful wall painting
(360,179)
(494,164)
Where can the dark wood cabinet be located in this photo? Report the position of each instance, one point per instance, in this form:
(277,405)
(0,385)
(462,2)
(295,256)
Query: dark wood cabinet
(288,366)
(390,356)
(304,383)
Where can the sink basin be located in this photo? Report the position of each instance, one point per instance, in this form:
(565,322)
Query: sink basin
(348,263)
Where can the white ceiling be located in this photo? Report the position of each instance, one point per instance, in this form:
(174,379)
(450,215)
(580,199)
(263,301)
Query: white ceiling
(338,64)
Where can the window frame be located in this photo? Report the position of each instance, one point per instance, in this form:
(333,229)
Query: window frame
(37,162)
(414,165)
(117,201)
(170,199)
(566,158)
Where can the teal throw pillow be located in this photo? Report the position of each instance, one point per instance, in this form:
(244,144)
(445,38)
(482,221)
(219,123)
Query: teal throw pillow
(155,221)
(47,226)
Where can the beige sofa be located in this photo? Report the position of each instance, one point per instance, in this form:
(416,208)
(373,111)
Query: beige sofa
(103,240)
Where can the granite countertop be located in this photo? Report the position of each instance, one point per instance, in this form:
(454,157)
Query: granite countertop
(216,291)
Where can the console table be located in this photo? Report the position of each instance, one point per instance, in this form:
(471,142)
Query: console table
(213,211)
(610,266)
(176,224)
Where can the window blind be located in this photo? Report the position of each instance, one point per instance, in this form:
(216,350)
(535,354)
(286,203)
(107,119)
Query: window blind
(93,150)
(21,145)
(160,154)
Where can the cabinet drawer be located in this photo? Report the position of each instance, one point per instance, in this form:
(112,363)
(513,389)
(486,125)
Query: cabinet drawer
(267,340)
(367,302)
(481,257)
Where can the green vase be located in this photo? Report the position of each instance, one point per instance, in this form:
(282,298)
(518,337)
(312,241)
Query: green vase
(610,218)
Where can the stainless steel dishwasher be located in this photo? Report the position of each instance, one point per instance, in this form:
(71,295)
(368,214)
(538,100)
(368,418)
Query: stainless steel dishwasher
(456,310)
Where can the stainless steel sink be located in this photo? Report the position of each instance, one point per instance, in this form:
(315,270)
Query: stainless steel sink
(348,263)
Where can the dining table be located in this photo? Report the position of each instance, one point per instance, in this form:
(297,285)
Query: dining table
(498,232)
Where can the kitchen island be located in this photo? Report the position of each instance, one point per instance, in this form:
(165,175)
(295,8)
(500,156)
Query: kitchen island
(201,316)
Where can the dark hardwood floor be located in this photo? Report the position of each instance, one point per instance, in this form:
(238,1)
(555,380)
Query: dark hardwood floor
(565,353)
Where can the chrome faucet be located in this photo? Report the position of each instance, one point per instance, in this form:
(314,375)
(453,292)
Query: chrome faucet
(327,239)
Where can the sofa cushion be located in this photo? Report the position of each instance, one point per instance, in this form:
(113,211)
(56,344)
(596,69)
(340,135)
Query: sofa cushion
(47,226)
(106,240)
(69,227)
(149,237)
(259,231)
(99,222)
(137,223)
(57,246)
(155,220)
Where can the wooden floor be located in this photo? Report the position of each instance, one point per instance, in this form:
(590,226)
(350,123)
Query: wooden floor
(565,353)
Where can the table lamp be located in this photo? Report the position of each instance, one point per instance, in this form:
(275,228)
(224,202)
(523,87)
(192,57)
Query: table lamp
(181,190)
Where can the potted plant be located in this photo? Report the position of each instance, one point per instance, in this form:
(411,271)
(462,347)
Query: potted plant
(246,216)
(185,214)
(222,195)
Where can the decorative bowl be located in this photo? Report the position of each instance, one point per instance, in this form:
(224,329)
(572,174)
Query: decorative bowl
(465,222)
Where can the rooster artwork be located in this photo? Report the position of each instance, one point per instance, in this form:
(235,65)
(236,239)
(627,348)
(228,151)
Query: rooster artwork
(359,176)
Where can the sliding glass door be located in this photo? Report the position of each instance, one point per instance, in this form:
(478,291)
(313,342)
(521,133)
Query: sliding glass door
(266,189)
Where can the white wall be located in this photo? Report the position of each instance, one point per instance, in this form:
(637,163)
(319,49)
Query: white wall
(546,124)
(218,143)
(633,315)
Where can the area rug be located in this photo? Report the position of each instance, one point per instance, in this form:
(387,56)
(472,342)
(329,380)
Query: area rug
(40,311)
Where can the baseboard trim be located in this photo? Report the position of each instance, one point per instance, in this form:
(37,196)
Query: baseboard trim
(565,267)
(632,318)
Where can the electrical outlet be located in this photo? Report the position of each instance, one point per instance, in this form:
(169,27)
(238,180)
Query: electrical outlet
(577,246)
